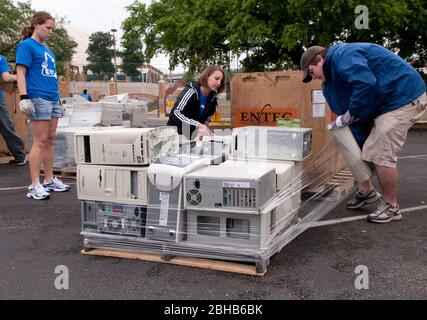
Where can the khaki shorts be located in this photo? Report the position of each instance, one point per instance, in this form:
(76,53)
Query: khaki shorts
(389,133)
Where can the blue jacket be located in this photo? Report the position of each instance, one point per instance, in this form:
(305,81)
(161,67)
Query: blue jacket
(368,80)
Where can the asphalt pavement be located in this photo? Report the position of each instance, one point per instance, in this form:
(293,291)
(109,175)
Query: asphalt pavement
(39,238)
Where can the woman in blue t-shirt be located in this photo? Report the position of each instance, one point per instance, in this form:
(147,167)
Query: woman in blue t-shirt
(38,88)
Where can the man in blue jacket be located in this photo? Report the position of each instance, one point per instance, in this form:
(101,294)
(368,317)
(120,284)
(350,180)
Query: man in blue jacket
(380,96)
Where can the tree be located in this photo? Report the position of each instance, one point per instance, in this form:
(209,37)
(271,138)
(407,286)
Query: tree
(132,57)
(14,17)
(272,34)
(397,25)
(100,54)
(63,46)
(190,32)
(132,42)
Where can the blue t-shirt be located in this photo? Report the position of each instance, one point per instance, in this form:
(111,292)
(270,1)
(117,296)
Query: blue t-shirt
(203,100)
(41,78)
(4,67)
(87,96)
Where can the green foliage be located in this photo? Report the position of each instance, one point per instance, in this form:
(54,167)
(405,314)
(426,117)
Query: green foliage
(13,17)
(272,34)
(132,56)
(191,32)
(132,41)
(63,46)
(100,54)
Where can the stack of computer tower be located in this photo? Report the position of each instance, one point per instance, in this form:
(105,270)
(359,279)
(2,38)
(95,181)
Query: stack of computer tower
(225,203)
(109,113)
(194,199)
(112,179)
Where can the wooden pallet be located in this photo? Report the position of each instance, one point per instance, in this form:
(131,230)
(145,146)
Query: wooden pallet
(182,261)
(66,172)
(334,188)
(4,159)
(422,124)
(343,182)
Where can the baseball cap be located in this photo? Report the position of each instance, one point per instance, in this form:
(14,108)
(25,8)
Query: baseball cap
(306,58)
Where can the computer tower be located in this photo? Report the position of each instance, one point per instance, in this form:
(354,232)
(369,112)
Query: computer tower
(240,230)
(123,219)
(86,114)
(228,188)
(125,146)
(109,183)
(136,112)
(166,217)
(273,143)
(112,113)
(288,175)
(64,144)
(89,211)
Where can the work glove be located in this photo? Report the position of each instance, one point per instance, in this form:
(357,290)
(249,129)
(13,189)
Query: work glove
(27,107)
(341,121)
(62,107)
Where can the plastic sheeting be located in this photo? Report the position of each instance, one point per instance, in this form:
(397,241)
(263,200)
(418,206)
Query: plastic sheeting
(235,235)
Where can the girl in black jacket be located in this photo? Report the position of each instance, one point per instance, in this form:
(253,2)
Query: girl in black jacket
(197,103)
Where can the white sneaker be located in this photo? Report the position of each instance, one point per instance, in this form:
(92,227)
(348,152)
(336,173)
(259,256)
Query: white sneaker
(56,185)
(37,192)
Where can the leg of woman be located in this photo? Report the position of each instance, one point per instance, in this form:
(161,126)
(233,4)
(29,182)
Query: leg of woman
(40,132)
(49,152)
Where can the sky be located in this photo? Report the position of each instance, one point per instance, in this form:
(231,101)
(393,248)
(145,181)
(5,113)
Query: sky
(109,15)
(80,13)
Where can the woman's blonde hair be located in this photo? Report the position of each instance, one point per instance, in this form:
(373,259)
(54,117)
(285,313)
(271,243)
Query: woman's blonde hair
(39,17)
(203,79)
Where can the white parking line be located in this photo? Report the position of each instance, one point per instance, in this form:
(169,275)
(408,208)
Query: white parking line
(349,219)
(414,157)
(21,188)
(313,225)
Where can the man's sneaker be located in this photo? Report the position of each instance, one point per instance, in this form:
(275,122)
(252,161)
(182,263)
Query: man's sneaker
(56,185)
(360,199)
(37,192)
(18,162)
(385,213)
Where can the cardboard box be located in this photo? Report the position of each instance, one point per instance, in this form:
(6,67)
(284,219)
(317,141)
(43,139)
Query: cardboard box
(261,98)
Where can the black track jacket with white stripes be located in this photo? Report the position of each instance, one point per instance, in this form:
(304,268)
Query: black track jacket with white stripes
(186,110)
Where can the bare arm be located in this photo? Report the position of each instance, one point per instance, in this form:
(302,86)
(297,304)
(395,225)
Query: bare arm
(8,77)
(22,86)
(25,105)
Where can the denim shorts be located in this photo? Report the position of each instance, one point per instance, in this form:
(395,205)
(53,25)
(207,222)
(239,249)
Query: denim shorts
(46,110)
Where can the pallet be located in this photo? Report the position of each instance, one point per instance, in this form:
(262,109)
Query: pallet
(4,159)
(66,172)
(422,125)
(334,188)
(182,261)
